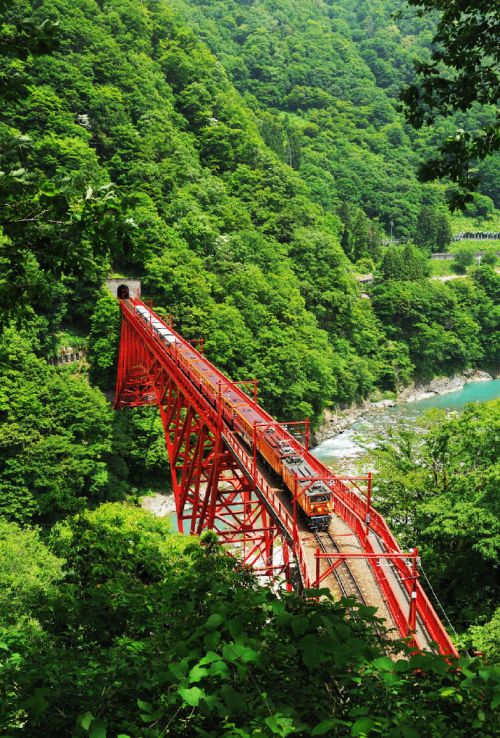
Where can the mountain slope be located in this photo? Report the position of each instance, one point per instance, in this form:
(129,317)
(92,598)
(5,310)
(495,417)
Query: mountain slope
(325,79)
(130,147)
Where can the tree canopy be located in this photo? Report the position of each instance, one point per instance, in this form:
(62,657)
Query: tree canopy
(437,485)
(463,71)
(155,634)
(135,145)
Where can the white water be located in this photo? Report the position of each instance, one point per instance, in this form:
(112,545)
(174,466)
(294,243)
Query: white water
(343,448)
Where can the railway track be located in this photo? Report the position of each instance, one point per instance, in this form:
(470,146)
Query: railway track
(346,580)
(343,575)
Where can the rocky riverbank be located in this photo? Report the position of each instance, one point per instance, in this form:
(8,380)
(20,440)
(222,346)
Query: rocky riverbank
(159,504)
(337,421)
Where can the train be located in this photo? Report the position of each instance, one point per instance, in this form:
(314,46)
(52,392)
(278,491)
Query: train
(274,444)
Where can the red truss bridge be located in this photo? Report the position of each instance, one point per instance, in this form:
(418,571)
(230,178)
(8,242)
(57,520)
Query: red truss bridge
(239,472)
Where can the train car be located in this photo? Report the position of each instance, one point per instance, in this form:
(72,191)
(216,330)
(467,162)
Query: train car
(164,334)
(279,449)
(313,495)
(286,458)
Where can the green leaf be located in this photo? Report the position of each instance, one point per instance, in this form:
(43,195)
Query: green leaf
(280,725)
(214,621)
(234,651)
(212,639)
(384,663)
(219,668)
(234,700)
(197,673)
(192,696)
(310,646)
(52,192)
(235,627)
(495,701)
(447,691)
(439,665)
(86,720)
(179,670)
(98,729)
(209,658)
(299,625)
(362,726)
(325,725)
(146,706)
(213,702)
(152,716)
(278,606)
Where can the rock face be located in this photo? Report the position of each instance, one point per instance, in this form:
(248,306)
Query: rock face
(443,385)
(477,375)
(334,422)
(160,505)
(438,386)
(384,403)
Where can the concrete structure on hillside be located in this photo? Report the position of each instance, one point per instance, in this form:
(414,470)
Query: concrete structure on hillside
(477,236)
(68,355)
(133,285)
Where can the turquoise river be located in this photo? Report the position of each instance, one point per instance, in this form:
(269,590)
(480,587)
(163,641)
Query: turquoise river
(341,451)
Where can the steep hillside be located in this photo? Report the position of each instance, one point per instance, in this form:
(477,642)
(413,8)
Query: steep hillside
(318,102)
(246,161)
(127,146)
(325,78)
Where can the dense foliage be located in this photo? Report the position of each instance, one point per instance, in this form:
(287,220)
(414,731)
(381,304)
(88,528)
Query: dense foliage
(57,439)
(244,160)
(463,71)
(331,111)
(446,327)
(438,485)
(135,632)
(121,166)
(128,146)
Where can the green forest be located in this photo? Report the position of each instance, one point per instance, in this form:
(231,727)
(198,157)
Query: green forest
(249,162)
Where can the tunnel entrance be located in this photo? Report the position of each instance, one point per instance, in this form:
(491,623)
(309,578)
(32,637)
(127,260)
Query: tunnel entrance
(124,288)
(123,292)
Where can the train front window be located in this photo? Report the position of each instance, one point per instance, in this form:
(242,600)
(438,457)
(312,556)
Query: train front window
(318,498)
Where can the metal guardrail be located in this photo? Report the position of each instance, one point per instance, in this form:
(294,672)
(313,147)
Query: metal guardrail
(448,255)
(476,236)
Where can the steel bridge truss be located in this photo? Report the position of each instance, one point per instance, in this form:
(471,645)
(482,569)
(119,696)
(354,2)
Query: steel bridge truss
(211,490)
